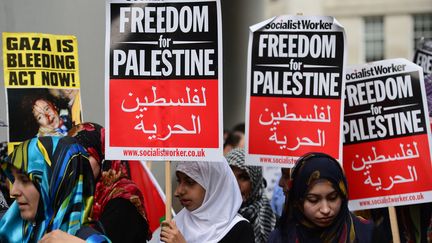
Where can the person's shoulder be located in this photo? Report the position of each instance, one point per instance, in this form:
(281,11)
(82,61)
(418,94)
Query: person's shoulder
(366,231)
(241,232)
(117,211)
(243,225)
(121,208)
(275,236)
(89,233)
(120,215)
(119,201)
(362,223)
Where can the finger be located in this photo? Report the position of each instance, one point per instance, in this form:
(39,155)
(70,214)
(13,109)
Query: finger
(172,224)
(165,239)
(164,223)
(168,231)
(45,238)
(165,234)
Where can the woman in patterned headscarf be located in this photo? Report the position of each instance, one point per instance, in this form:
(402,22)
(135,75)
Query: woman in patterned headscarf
(52,186)
(317,205)
(119,204)
(255,206)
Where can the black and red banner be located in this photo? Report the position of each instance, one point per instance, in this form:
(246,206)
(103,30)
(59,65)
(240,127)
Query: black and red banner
(164,81)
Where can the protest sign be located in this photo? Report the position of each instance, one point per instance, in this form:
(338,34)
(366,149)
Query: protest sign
(423,58)
(423,55)
(163,80)
(41,73)
(387,154)
(294,89)
(428,87)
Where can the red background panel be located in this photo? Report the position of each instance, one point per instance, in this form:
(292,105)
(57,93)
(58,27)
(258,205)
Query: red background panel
(384,170)
(122,124)
(259,134)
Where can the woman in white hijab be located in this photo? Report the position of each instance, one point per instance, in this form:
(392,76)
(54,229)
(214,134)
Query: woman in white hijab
(211,198)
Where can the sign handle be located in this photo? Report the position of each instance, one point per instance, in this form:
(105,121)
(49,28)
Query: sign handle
(168,191)
(149,164)
(394,224)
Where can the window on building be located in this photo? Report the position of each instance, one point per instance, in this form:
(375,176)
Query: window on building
(374,38)
(422,26)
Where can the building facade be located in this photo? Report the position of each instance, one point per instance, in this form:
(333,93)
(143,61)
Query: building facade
(375,29)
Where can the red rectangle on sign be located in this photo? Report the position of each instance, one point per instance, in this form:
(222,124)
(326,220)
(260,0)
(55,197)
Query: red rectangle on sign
(391,167)
(294,126)
(164,113)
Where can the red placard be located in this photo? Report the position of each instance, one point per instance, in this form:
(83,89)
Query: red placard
(171,126)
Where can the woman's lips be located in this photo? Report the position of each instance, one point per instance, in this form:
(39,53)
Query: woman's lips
(22,205)
(325,220)
(184,202)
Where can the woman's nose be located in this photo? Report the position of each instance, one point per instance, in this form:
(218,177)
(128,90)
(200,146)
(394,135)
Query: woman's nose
(281,182)
(179,190)
(325,207)
(14,191)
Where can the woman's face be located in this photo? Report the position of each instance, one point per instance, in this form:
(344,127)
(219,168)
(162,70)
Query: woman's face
(46,114)
(26,195)
(285,179)
(243,181)
(322,204)
(190,193)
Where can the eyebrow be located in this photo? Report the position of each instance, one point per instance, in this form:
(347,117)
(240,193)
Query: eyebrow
(313,194)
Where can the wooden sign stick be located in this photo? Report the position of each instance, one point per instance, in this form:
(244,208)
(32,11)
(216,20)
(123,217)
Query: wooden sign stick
(394,224)
(168,191)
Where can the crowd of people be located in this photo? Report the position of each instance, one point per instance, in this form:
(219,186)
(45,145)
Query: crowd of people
(63,190)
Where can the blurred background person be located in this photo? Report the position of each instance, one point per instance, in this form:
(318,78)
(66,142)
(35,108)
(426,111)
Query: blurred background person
(280,192)
(4,182)
(234,138)
(255,206)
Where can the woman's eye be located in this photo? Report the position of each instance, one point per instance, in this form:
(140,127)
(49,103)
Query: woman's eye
(312,199)
(333,197)
(23,178)
(190,182)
